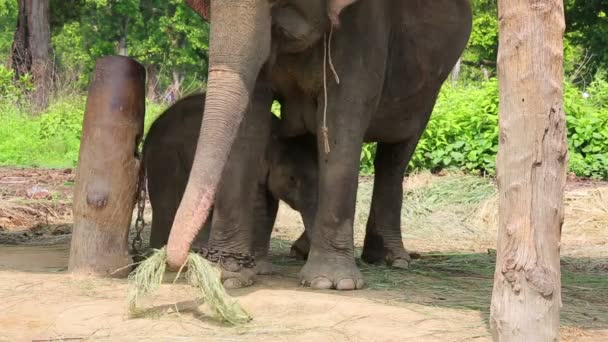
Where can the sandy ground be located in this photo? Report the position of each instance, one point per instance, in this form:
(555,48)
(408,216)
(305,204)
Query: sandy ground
(40,301)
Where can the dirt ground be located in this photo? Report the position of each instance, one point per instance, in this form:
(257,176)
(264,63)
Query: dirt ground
(444,296)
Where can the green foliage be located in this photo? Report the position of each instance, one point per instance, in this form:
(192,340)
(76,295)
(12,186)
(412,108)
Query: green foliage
(587,34)
(588,129)
(483,43)
(12,91)
(8,22)
(51,139)
(164,34)
(463,131)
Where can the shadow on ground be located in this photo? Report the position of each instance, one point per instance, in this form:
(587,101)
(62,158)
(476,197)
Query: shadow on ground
(464,281)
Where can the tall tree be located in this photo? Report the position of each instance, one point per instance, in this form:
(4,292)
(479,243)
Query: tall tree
(531,170)
(21,58)
(32,48)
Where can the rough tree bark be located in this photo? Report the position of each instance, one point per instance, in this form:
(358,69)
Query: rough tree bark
(21,58)
(38,19)
(152,83)
(31,49)
(456,72)
(106,179)
(531,170)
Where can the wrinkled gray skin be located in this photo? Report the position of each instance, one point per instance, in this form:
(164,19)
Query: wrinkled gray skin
(288,172)
(392,57)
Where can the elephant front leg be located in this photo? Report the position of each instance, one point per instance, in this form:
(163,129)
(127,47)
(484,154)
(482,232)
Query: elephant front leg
(233,230)
(383,241)
(331,260)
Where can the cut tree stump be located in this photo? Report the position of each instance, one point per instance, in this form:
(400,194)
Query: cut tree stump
(531,168)
(108,168)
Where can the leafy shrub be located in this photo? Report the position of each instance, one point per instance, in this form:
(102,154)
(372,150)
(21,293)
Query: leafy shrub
(587,121)
(11,91)
(463,130)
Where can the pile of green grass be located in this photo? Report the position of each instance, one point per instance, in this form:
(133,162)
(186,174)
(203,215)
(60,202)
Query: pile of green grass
(148,276)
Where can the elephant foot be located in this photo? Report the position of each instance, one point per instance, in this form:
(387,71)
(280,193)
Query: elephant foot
(263,266)
(300,248)
(325,271)
(375,252)
(235,276)
(235,272)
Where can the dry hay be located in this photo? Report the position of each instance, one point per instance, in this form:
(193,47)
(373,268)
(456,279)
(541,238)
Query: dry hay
(32,223)
(459,212)
(17,214)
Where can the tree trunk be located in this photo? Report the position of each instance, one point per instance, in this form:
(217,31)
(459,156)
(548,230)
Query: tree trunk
(531,168)
(152,83)
(107,175)
(486,74)
(38,19)
(21,57)
(456,72)
(32,48)
(122,47)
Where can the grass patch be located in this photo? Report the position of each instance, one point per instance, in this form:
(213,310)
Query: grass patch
(51,139)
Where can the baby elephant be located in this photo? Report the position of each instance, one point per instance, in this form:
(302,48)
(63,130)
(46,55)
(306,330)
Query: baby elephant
(288,173)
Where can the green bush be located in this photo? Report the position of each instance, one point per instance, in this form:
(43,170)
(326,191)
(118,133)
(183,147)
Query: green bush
(11,91)
(463,130)
(587,121)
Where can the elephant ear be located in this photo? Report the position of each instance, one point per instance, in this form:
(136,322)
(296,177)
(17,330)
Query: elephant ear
(201,7)
(335,7)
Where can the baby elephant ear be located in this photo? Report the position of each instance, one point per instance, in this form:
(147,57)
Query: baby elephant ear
(201,7)
(335,7)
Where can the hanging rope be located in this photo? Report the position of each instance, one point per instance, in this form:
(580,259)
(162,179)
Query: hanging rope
(326,59)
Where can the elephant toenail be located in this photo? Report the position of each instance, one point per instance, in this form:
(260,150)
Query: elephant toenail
(346,285)
(360,283)
(321,283)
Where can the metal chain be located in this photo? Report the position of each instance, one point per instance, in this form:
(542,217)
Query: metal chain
(141,206)
(221,257)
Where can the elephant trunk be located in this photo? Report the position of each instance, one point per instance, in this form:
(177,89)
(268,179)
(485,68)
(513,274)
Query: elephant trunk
(239,45)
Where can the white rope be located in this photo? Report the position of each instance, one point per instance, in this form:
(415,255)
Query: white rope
(331,63)
(326,54)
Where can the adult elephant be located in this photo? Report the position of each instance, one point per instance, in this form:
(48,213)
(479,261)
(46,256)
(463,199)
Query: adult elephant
(392,57)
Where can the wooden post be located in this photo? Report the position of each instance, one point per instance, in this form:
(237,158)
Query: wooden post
(106,179)
(531,168)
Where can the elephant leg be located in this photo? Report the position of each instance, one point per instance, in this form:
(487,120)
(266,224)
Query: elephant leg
(233,230)
(265,213)
(300,247)
(383,242)
(166,184)
(331,260)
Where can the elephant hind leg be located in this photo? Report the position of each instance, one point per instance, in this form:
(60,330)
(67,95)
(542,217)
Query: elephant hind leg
(265,213)
(383,241)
